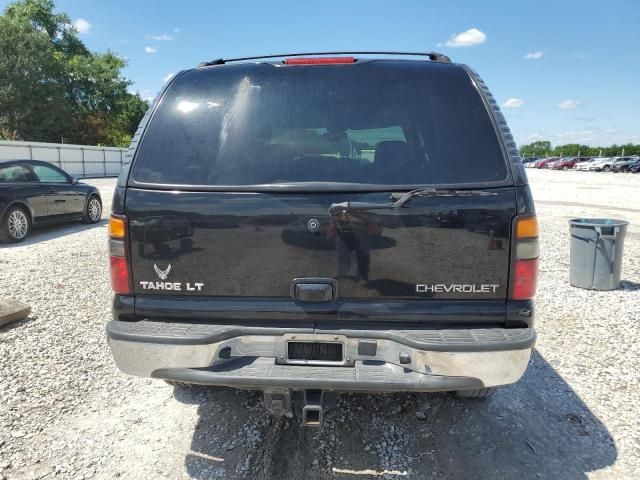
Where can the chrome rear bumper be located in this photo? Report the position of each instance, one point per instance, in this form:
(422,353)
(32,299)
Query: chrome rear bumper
(256,358)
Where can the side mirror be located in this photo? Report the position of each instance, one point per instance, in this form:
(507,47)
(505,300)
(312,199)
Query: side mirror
(74,181)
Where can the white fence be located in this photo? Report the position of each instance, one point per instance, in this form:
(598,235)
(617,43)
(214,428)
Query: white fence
(77,160)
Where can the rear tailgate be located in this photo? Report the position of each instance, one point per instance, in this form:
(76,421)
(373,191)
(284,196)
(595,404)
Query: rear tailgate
(256,244)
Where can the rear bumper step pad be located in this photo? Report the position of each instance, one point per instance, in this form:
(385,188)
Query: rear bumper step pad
(464,340)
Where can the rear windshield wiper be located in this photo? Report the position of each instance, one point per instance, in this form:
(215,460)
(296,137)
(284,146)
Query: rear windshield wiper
(402,198)
(434,192)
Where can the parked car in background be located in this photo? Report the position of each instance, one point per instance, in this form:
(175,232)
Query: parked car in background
(35,193)
(551,164)
(635,168)
(623,164)
(608,164)
(587,164)
(567,163)
(599,163)
(527,160)
(542,163)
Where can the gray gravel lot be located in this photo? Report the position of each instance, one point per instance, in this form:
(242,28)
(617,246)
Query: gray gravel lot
(66,412)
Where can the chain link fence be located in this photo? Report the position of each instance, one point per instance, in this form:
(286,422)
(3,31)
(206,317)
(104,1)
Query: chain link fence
(80,161)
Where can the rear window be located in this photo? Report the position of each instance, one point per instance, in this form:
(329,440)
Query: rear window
(15,173)
(378,122)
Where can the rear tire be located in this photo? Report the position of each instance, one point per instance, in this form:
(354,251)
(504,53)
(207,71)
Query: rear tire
(479,393)
(606,168)
(15,225)
(93,210)
(565,168)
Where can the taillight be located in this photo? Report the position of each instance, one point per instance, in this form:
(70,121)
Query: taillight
(318,60)
(120,275)
(525,257)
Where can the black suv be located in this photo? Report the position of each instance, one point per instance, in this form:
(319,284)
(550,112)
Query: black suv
(310,224)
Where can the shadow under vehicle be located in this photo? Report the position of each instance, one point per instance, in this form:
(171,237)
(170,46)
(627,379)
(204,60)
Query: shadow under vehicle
(537,428)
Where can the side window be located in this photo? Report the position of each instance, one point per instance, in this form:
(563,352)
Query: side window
(15,173)
(49,175)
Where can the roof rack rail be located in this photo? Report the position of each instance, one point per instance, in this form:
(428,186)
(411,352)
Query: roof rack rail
(433,56)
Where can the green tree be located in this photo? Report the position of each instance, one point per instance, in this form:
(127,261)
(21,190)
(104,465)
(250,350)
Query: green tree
(570,150)
(129,110)
(543,149)
(70,91)
(32,101)
(536,149)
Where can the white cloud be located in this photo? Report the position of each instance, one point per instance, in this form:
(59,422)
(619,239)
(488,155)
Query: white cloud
(161,38)
(167,77)
(82,26)
(513,103)
(176,30)
(568,104)
(468,38)
(150,50)
(537,55)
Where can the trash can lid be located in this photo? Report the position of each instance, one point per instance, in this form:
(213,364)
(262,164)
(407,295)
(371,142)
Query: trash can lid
(597,222)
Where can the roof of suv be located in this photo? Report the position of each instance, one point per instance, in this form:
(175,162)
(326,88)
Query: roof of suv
(320,60)
(433,56)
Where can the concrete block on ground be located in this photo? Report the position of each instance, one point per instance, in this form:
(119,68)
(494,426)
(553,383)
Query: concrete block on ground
(12,310)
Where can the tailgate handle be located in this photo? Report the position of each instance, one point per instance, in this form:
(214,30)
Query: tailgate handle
(313,290)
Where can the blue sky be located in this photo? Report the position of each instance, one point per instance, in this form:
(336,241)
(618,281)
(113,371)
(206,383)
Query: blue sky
(580,82)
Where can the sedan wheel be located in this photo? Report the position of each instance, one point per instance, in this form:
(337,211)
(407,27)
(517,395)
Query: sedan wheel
(94,210)
(15,226)
(606,168)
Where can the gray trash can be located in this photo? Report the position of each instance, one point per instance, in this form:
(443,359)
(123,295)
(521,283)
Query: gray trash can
(596,252)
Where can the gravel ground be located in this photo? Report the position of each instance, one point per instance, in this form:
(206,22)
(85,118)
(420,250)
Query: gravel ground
(66,412)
